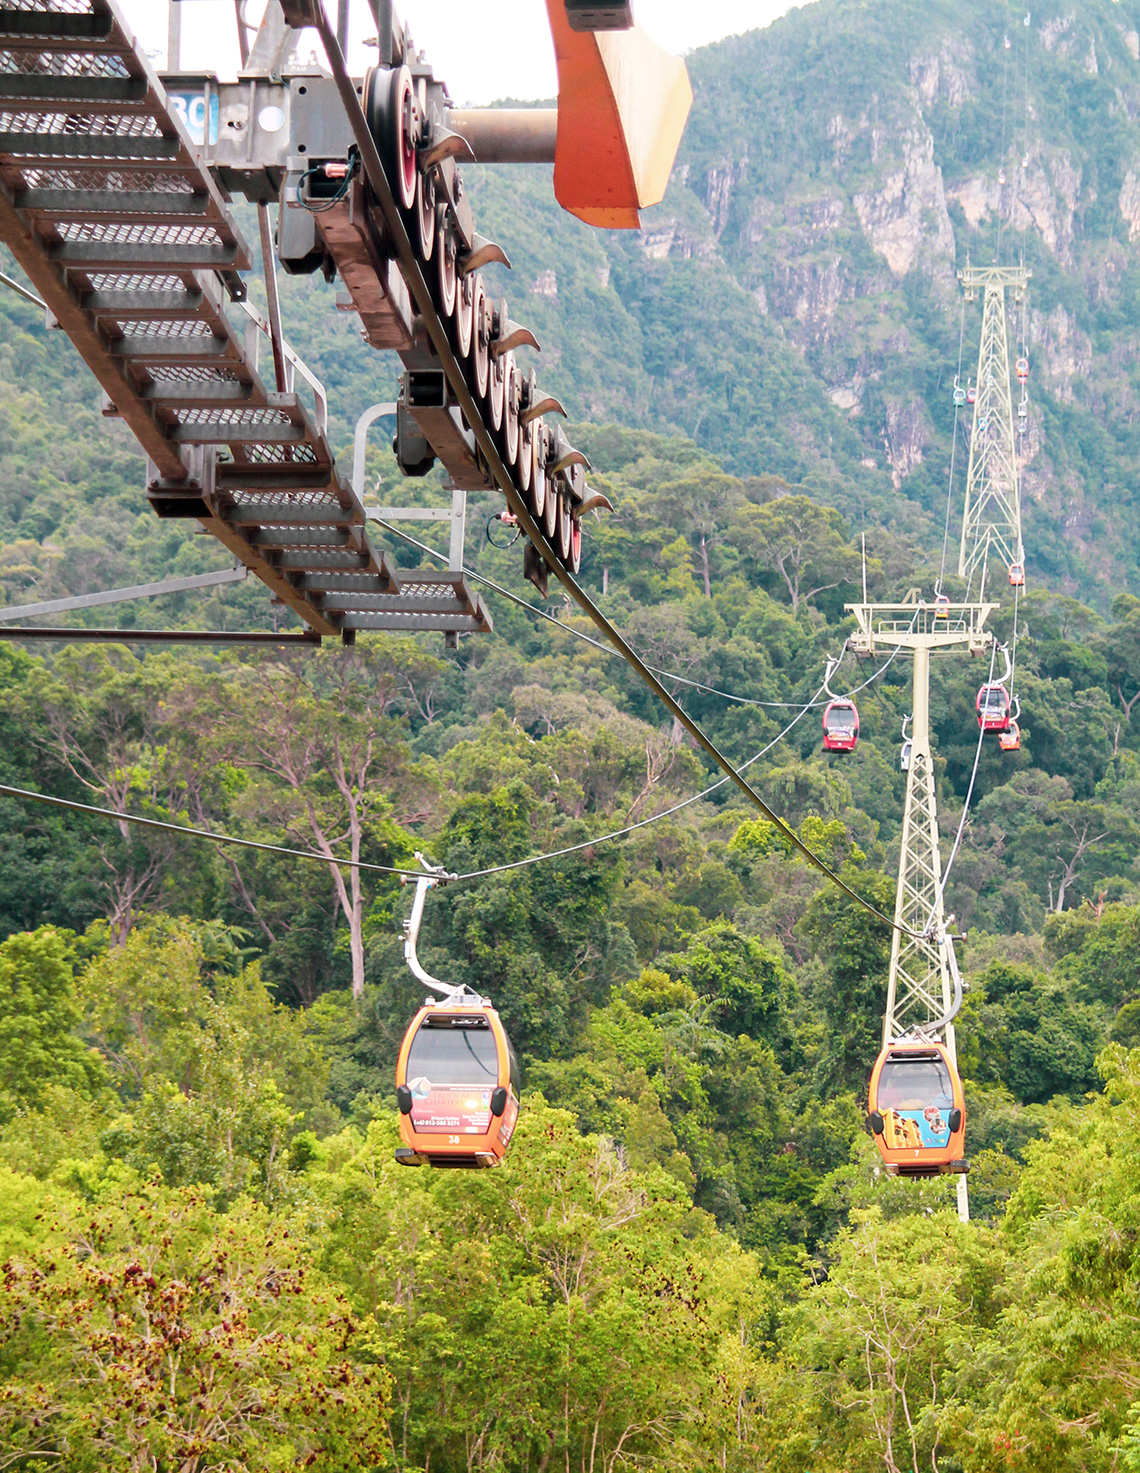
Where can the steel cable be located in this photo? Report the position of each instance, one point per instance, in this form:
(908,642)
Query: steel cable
(953,446)
(606,649)
(965,813)
(412,272)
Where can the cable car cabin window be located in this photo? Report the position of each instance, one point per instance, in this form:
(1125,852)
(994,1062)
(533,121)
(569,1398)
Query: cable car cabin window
(994,702)
(840,719)
(918,1091)
(454,1051)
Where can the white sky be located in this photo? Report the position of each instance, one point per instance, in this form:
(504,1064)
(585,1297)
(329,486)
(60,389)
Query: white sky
(479,61)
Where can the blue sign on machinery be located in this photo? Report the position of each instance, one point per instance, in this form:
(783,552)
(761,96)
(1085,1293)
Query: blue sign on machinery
(190,110)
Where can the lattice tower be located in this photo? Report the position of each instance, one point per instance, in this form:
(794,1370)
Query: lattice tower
(992,519)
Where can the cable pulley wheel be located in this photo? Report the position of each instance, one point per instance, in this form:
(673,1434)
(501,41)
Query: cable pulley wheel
(424,215)
(496,394)
(390,107)
(463,320)
(537,498)
(575,561)
(446,276)
(565,525)
(524,459)
(550,510)
(480,342)
(510,407)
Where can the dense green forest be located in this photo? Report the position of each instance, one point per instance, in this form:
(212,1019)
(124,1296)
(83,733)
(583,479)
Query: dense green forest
(690,1256)
(209,1258)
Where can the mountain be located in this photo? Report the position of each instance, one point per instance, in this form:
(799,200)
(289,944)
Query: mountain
(793,306)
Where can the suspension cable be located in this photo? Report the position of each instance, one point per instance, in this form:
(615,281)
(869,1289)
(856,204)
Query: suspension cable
(1006,48)
(1013,655)
(953,445)
(21,290)
(606,649)
(210,835)
(213,837)
(965,811)
(341,861)
(497,869)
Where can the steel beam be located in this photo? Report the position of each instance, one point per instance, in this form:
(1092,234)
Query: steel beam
(159,636)
(124,595)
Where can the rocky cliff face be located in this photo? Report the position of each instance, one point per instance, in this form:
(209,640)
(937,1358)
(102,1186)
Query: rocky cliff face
(842,165)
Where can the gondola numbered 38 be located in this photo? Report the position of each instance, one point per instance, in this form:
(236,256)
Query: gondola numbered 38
(457,1077)
(456,1085)
(917,1109)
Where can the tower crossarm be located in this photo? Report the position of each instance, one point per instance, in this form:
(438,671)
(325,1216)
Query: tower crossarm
(977,278)
(920,626)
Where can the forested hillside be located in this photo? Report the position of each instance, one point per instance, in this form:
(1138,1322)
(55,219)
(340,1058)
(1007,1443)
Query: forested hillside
(690,1257)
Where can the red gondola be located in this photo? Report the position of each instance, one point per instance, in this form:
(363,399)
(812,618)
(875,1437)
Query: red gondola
(1017,575)
(840,726)
(1010,739)
(456,1085)
(941,606)
(992,707)
(917,1110)
(971,394)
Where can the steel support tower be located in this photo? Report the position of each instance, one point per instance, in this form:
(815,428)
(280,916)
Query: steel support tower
(923,964)
(992,518)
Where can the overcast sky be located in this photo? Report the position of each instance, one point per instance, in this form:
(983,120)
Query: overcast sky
(478,61)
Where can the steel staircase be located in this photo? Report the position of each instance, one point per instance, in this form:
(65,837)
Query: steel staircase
(125,235)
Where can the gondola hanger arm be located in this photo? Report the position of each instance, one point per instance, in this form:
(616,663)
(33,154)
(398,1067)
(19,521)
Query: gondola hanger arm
(433,875)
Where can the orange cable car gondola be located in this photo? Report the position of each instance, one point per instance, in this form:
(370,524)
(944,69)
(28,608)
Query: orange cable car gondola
(917,1110)
(840,726)
(1017,575)
(457,1077)
(992,707)
(1010,739)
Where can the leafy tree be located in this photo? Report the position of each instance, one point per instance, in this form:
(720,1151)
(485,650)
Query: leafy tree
(804,542)
(855,948)
(1120,647)
(39,1011)
(150,1332)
